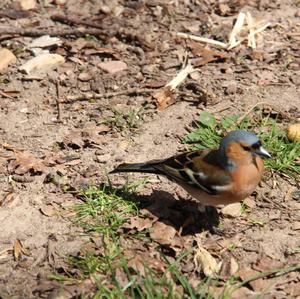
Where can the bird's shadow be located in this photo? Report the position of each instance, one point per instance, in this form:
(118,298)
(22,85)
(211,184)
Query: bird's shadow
(183,214)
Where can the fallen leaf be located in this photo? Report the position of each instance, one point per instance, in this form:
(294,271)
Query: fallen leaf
(42,63)
(45,41)
(162,233)
(257,284)
(142,261)
(73,140)
(113,66)
(229,268)
(267,263)
(164,98)
(26,162)
(48,210)
(9,200)
(6,58)
(206,262)
(139,223)
(232,210)
(18,248)
(207,55)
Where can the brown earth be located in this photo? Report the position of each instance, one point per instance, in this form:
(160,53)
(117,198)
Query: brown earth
(81,149)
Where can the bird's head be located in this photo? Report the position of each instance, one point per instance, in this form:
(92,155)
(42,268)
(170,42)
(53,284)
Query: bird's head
(240,144)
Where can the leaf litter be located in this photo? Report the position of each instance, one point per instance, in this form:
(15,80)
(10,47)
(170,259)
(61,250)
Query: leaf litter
(159,230)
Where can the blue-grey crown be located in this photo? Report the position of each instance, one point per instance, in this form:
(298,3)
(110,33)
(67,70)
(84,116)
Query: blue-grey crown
(239,135)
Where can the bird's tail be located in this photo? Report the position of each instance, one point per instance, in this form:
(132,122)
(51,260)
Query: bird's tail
(149,167)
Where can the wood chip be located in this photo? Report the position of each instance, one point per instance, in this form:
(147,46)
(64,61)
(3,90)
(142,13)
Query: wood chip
(6,58)
(44,42)
(42,63)
(27,4)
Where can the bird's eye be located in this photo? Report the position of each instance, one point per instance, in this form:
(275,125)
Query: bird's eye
(246,148)
(256,145)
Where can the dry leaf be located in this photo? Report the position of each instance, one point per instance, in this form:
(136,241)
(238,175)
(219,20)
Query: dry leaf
(48,210)
(207,55)
(164,98)
(257,284)
(162,233)
(9,200)
(229,268)
(138,261)
(232,210)
(113,66)
(18,249)
(6,58)
(205,261)
(139,223)
(26,162)
(42,63)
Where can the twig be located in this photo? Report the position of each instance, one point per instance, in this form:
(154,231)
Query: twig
(90,96)
(180,77)
(202,39)
(275,272)
(74,20)
(57,99)
(40,32)
(4,94)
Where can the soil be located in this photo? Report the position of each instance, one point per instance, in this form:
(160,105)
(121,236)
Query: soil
(61,135)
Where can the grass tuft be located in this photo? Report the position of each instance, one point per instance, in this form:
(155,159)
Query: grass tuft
(105,209)
(207,133)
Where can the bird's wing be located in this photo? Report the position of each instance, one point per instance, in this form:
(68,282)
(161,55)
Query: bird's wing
(199,169)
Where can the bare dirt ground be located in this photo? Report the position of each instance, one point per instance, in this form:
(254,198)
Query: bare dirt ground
(48,131)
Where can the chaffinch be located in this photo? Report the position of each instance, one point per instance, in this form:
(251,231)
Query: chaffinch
(213,177)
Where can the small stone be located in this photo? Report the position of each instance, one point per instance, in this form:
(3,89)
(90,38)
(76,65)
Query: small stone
(6,58)
(231,88)
(84,77)
(103,158)
(232,210)
(27,4)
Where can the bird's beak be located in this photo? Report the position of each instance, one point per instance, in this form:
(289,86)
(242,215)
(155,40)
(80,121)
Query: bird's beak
(263,152)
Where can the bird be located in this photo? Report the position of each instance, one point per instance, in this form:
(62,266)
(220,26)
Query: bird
(214,177)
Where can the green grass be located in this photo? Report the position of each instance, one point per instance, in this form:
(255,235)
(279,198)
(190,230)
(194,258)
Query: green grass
(207,133)
(105,209)
(124,120)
